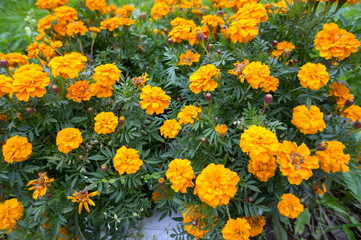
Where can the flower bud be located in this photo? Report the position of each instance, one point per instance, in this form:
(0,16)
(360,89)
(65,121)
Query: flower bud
(194,222)
(265,123)
(210,47)
(203,140)
(357,124)
(220,13)
(81,157)
(161,180)
(219,52)
(349,102)
(216,118)
(286,53)
(267,98)
(4,63)
(217,77)
(121,120)
(143,16)
(295,61)
(170,41)
(179,100)
(30,110)
(90,110)
(55,89)
(274,43)
(322,146)
(208,97)
(104,167)
(200,36)
(249,199)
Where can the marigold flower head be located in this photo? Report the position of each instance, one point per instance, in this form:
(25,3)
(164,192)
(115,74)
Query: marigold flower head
(216,185)
(56,44)
(79,91)
(110,23)
(242,31)
(290,206)
(83,198)
(180,174)
(16,149)
(60,28)
(67,66)
(100,91)
(188,58)
(180,33)
(256,223)
(236,229)
(100,5)
(318,190)
(195,221)
(16,59)
(140,81)
(10,212)
(308,121)
(238,71)
(341,93)
(170,128)
(5,85)
(94,29)
(159,10)
(258,76)
(50,4)
(333,159)
(125,11)
(295,162)
(68,139)
(335,42)
(313,76)
(353,113)
(77,28)
(255,11)
(198,34)
(221,129)
(127,160)
(40,185)
(282,47)
(263,166)
(188,114)
(65,13)
(105,122)
(106,74)
(202,79)
(352,2)
(213,21)
(154,99)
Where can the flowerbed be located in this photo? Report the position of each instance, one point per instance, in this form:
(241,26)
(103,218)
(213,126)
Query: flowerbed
(235,113)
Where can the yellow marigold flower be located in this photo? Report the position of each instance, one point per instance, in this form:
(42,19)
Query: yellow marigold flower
(100,5)
(126,21)
(40,185)
(101,91)
(65,13)
(313,76)
(50,4)
(188,114)
(105,122)
(127,160)
(35,49)
(67,66)
(216,185)
(295,162)
(262,166)
(79,91)
(353,113)
(236,229)
(110,23)
(68,139)
(140,81)
(94,29)
(258,76)
(170,128)
(213,21)
(188,58)
(333,159)
(16,59)
(318,190)
(238,71)
(240,3)
(64,232)
(256,223)
(77,28)
(180,33)
(201,80)
(223,3)
(242,31)
(83,198)
(221,129)
(282,47)
(335,42)
(290,206)
(254,11)
(180,174)
(56,44)
(60,28)
(45,23)
(195,221)
(308,121)
(125,11)
(17,149)
(106,74)
(154,99)
(5,85)
(159,10)
(282,6)
(341,93)
(257,139)
(10,212)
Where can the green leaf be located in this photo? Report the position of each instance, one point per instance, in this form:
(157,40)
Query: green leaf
(353,183)
(302,220)
(97,158)
(279,231)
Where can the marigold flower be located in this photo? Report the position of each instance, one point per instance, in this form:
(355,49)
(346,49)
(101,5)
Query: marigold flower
(60,28)
(50,4)
(79,91)
(238,71)
(282,47)
(94,29)
(45,23)
(101,91)
(40,185)
(105,122)
(162,192)
(216,185)
(188,114)
(125,11)
(341,93)
(335,42)
(68,139)
(221,129)
(35,49)
(65,13)
(201,80)
(333,159)
(188,58)
(353,113)
(236,229)
(258,76)
(159,10)
(193,214)
(10,212)
(290,206)
(352,1)
(180,33)
(100,5)
(56,44)
(154,99)
(67,66)
(256,223)
(140,81)
(308,121)
(313,76)
(127,160)
(180,174)
(16,59)
(110,23)
(64,234)
(170,128)
(76,27)
(242,31)
(213,21)
(295,162)
(107,74)
(5,85)
(83,198)
(318,190)
(17,149)
(255,11)
(262,166)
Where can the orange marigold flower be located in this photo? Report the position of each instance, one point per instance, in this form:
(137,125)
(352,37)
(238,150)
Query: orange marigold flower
(216,185)
(154,99)
(162,192)
(64,234)
(94,29)
(105,122)
(180,33)
(45,23)
(353,113)
(258,76)
(79,91)
(313,76)
(4,117)
(236,229)
(17,149)
(290,206)
(50,4)
(255,11)
(341,93)
(159,10)
(188,58)
(126,21)
(83,198)
(202,31)
(40,185)
(67,66)
(308,121)
(101,91)
(256,223)
(65,13)
(335,42)
(140,81)
(221,129)
(5,85)
(333,159)
(77,28)
(110,23)
(16,59)
(213,21)
(195,222)
(170,128)
(282,6)
(201,80)
(238,71)
(106,74)
(295,162)
(100,5)
(10,212)
(127,160)
(242,31)
(56,44)
(282,47)
(68,139)
(352,2)
(188,114)
(263,166)
(180,174)
(125,11)
(318,190)
(60,28)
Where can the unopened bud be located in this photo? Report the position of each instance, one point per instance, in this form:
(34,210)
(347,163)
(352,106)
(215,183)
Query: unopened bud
(104,167)
(90,110)
(208,97)
(210,47)
(81,157)
(179,100)
(194,222)
(143,16)
(4,63)
(286,53)
(30,110)
(295,61)
(161,180)
(170,41)
(265,123)
(267,98)
(219,52)
(55,88)
(349,102)
(203,140)
(274,43)
(322,146)
(249,199)
(220,13)
(217,77)
(121,120)
(216,118)
(200,36)
(357,124)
